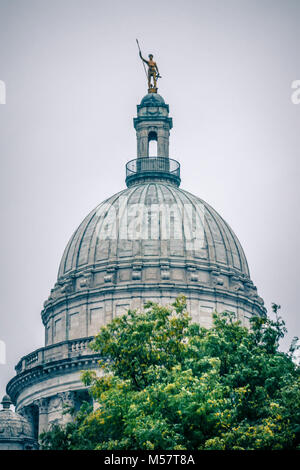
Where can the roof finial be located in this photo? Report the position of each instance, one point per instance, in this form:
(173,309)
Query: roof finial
(153,73)
(6,402)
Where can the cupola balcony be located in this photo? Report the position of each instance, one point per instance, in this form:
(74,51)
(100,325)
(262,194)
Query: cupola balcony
(152,168)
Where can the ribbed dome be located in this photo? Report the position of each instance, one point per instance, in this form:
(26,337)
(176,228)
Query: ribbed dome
(12,424)
(186,228)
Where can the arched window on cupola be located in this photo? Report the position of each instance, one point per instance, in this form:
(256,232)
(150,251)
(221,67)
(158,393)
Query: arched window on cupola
(152,144)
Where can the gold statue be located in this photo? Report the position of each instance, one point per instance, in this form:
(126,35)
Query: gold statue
(152,71)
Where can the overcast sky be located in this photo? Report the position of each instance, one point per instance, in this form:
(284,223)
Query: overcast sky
(73,79)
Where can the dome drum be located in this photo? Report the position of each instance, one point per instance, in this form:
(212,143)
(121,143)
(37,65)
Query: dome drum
(85,311)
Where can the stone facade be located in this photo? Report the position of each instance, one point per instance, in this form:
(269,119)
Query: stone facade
(151,241)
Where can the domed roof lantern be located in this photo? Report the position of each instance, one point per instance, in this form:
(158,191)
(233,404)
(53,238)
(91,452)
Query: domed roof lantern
(6,402)
(15,430)
(152,124)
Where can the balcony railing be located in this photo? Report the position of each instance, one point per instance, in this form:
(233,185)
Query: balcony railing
(151,168)
(55,352)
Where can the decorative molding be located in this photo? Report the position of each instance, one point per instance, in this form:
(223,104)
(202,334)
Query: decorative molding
(85,280)
(110,274)
(67,398)
(42,404)
(165,270)
(136,271)
(192,270)
(217,280)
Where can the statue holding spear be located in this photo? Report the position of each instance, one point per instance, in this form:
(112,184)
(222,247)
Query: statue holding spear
(153,72)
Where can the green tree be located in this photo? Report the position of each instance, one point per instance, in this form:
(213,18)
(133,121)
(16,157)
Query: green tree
(167,383)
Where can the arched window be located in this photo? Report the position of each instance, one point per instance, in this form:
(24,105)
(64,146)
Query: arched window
(152,144)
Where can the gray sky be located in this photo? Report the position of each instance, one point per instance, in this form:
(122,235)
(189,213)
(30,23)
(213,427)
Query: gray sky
(73,79)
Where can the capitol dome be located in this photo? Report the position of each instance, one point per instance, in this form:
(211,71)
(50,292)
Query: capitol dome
(154,219)
(151,241)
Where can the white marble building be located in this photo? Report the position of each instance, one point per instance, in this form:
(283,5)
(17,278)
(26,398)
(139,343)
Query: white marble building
(152,240)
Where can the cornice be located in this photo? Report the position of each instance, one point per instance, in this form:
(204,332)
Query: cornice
(46,371)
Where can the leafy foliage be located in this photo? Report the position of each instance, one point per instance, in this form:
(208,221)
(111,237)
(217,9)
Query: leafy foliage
(167,383)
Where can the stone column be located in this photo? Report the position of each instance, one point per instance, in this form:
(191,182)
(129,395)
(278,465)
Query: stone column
(163,141)
(42,404)
(68,401)
(142,142)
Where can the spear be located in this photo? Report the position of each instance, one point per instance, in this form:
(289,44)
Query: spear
(141,54)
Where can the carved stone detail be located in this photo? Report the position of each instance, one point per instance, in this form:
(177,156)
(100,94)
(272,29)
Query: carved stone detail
(110,274)
(165,271)
(250,289)
(42,404)
(192,270)
(67,287)
(85,281)
(216,279)
(236,284)
(136,271)
(54,404)
(67,397)
(60,288)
